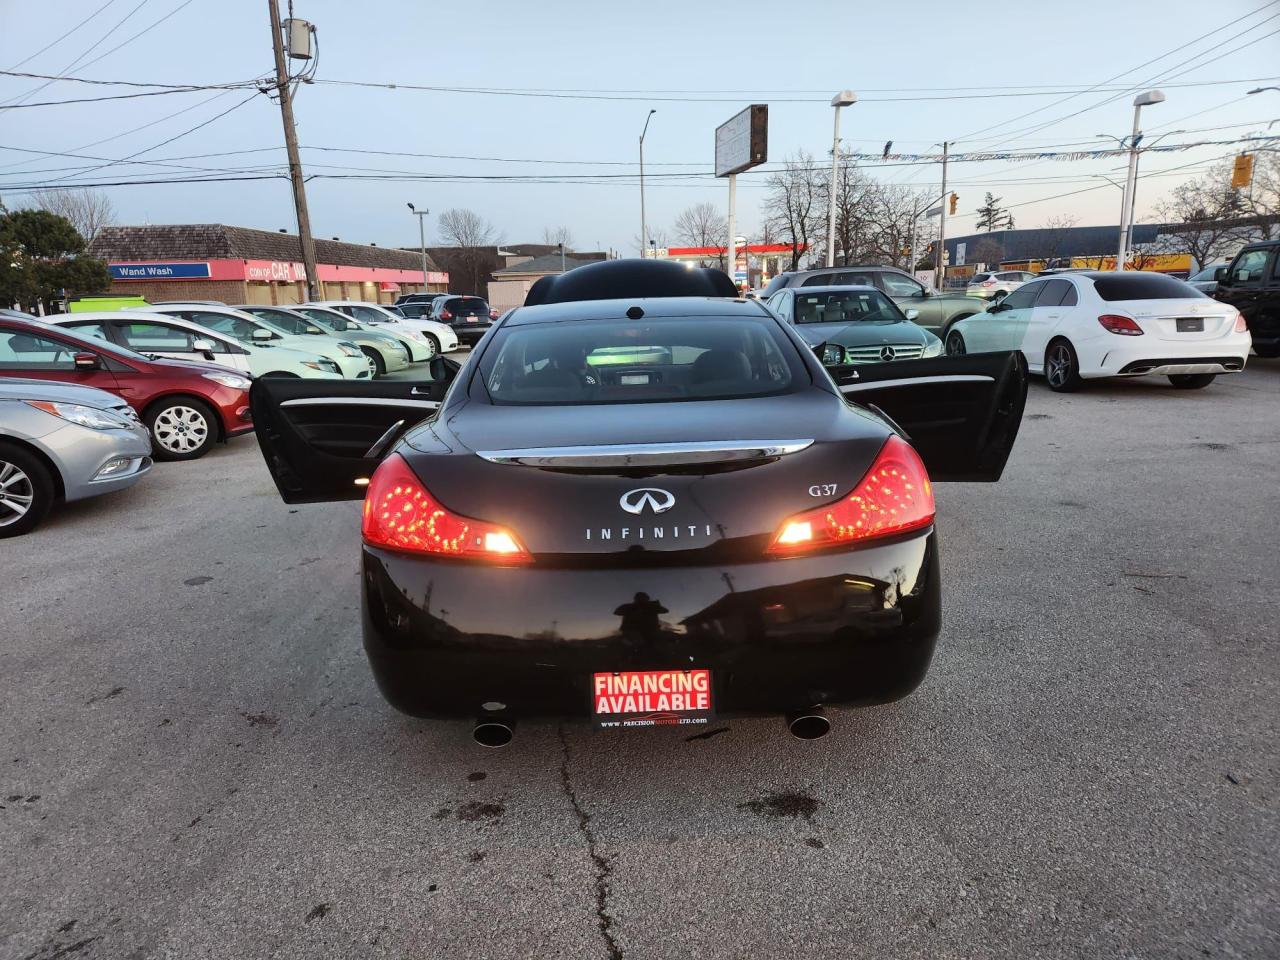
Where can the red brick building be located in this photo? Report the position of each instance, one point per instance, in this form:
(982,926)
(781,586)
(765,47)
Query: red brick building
(212,261)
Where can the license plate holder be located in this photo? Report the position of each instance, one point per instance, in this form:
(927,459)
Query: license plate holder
(630,699)
(1190,324)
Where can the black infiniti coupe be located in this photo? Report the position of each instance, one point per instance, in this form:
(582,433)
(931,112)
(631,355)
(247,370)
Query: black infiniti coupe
(645,501)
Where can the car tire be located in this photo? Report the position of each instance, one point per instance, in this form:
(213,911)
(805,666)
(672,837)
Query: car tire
(955,344)
(182,428)
(379,365)
(434,347)
(1191,381)
(27,485)
(1062,366)
(1268,352)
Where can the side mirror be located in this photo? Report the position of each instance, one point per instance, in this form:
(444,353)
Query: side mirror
(260,334)
(912,314)
(829,354)
(202,346)
(1220,274)
(87,361)
(442,369)
(314,331)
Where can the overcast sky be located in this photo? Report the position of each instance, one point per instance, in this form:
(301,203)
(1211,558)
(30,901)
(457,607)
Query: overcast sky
(791,56)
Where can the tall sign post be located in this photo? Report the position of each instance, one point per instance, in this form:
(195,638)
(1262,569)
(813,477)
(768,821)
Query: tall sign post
(742,142)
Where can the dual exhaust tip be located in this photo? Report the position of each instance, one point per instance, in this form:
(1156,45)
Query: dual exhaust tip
(811,724)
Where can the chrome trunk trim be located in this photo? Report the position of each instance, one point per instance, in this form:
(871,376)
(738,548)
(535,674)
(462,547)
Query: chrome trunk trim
(646,454)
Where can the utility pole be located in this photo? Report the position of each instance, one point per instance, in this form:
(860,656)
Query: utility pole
(731,251)
(939,263)
(1127,204)
(295,165)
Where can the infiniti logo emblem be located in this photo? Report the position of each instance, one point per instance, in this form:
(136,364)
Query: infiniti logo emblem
(887,353)
(659,501)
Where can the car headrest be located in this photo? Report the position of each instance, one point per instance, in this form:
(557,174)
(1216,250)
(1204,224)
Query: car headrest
(626,279)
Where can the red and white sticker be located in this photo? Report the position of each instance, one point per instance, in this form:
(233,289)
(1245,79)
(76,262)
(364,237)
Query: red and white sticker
(651,698)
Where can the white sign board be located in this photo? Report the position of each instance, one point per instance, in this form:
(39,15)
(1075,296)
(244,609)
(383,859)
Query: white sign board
(960,250)
(741,141)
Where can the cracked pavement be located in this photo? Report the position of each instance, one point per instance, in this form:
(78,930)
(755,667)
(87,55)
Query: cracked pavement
(196,763)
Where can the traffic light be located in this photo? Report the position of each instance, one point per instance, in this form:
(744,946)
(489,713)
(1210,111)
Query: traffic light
(955,198)
(1242,171)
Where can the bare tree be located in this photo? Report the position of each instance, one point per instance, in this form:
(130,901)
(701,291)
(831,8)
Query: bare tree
(659,236)
(1263,197)
(1207,214)
(1055,235)
(88,210)
(986,251)
(555,236)
(791,207)
(703,225)
(472,258)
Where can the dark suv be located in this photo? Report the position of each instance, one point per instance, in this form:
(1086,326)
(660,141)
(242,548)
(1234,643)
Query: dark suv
(933,310)
(470,317)
(1251,284)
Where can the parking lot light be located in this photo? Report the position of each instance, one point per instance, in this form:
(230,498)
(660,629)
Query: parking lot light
(1144,99)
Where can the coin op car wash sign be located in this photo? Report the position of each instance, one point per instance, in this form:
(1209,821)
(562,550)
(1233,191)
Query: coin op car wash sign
(742,142)
(651,698)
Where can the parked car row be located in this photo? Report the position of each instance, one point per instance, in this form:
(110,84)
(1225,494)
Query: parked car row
(468,317)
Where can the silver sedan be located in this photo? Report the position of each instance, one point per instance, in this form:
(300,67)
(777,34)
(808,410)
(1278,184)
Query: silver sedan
(62,442)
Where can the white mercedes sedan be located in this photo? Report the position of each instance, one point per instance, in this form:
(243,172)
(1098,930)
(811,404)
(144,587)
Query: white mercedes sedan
(1082,326)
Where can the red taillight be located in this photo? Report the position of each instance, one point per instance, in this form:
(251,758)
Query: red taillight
(446,315)
(988,283)
(1125,326)
(1241,325)
(894,497)
(400,514)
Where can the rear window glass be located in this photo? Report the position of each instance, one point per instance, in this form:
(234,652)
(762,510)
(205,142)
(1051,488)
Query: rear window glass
(414,310)
(466,306)
(1143,286)
(844,306)
(630,361)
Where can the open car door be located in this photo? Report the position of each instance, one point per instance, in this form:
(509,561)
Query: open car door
(961,413)
(322,439)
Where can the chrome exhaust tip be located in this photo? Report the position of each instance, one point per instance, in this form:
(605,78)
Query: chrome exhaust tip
(493,734)
(809,724)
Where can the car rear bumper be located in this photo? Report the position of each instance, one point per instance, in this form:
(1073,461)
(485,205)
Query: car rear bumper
(1143,356)
(470,333)
(853,628)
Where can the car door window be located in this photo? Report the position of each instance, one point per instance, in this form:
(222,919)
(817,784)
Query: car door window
(855,280)
(156,337)
(232,326)
(781,304)
(897,285)
(367,314)
(1021,298)
(1052,293)
(27,351)
(1249,266)
(820,279)
(90,330)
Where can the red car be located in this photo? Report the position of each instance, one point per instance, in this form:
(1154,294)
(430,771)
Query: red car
(187,406)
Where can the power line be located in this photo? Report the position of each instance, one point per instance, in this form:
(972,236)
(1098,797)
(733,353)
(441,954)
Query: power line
(64,36)
(668,98)
(118,96)
(1169,53)
(148,29)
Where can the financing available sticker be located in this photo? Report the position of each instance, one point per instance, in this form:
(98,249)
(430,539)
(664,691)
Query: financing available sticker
(651,698)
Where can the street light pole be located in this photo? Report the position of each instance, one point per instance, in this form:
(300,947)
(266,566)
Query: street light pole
(844,98)
(644,235)
(1130,183)
(422,241)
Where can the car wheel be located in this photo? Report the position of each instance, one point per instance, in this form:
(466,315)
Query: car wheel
(1191,381)
(379,367)
(1268,351)
(433,347)
(1062,367)
(182,428)
(26,491)
(955,344)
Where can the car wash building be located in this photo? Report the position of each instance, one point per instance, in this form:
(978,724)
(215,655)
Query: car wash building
(212,261)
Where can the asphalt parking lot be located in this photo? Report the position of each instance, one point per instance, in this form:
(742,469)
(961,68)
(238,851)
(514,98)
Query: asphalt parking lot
(197,763)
